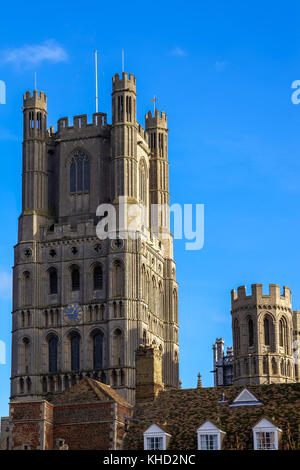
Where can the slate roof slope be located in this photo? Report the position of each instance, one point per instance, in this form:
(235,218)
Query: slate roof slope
(181,412)
(89,391)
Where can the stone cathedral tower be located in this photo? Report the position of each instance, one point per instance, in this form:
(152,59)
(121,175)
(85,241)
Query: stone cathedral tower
(81,305)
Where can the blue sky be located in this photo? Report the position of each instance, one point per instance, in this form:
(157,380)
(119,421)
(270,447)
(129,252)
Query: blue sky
(223,73)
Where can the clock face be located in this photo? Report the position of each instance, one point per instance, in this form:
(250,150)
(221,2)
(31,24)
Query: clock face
(73,313)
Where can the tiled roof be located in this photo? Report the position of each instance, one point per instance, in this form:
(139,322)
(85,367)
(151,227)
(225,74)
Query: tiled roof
(181,412)
(89,391)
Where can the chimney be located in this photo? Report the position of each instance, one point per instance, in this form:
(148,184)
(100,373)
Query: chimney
(148,363)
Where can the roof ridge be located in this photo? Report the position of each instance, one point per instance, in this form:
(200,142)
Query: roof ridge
(107,390)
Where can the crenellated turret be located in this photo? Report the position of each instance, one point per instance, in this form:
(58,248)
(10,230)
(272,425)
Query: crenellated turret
(262,327)
(124,137)
(157,131)
(35,170)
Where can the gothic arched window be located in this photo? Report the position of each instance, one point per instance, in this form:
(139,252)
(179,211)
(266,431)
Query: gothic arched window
(52,345)
(79,173)
(52,281)
(26,354)
(283,333)
(267,331)
(117,278)
(27,288)
(98,278)
(75,352)
(250,332)
(75,275)
(236,335)
(143,182)
(117,347)
(97,350)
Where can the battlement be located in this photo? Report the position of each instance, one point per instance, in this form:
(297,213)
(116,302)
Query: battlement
(37,100)
(80,122)
(158,120)
(124,83)
(257,296)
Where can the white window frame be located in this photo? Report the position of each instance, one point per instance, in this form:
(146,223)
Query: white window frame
(155,431)
(209,429)
(147,438)
(265,426)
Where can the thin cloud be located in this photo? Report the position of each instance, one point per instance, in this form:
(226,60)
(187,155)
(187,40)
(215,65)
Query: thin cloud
(221,65)
(5,134)
(177,51)
(5,285)
(27,55)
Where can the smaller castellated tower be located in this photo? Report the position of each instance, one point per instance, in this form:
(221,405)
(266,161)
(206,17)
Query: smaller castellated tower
(157,131)
(35,170)
(262,328)
(124,137)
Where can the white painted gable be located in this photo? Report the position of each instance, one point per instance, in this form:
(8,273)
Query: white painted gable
(154,429)
(208,426)
(264,423)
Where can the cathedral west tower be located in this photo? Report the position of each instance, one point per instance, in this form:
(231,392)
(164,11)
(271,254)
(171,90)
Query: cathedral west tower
(82,305)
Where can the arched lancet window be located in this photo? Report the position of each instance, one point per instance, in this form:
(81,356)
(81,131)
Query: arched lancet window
(143,182)
(27,291)
(250,332)
(28,384)
(267,331)
(52,281)
(79,173)
(97,350)
(75,352)
(21,384)
(175,305)
(52,347)
(117,347)
(117,279)
(98,277)
(236,335)
(283,334)
(44,385)
(26,357)
(75,275)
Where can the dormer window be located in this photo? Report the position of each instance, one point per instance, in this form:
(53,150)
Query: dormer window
(245,398)
(209,437)
(155,438)
(266,435)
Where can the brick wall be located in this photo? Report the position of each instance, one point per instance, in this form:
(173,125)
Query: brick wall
(82,426)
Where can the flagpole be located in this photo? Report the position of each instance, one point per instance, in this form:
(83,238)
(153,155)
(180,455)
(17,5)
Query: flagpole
(96,81)
(122,60)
